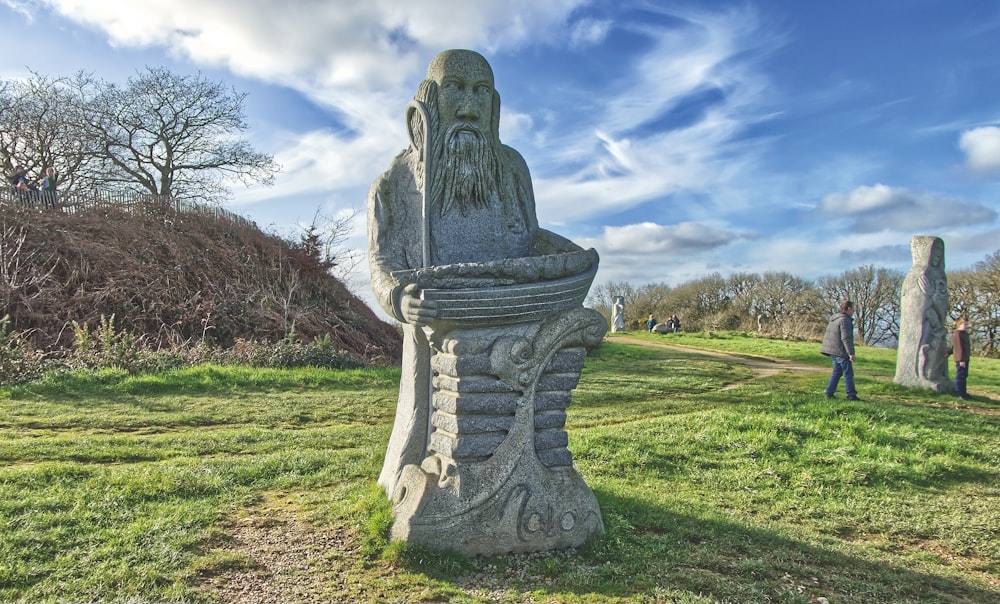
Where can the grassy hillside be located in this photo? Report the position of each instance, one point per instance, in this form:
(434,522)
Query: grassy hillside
(239,485)
(172,279)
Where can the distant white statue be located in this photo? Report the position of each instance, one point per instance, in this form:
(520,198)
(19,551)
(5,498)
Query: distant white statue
(618,315)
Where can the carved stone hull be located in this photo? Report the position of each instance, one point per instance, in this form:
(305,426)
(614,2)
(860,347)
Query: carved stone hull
(497,476)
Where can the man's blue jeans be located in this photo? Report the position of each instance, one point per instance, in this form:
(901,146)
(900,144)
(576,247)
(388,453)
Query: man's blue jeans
(842,366)
(961,374)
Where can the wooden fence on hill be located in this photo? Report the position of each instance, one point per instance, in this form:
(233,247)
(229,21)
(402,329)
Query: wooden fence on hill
(77,202)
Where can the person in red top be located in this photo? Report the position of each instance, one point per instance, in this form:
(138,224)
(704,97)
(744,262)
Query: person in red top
(961,348)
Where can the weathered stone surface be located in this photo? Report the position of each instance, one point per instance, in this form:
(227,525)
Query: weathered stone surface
(550,419)
(476,402)
(495,335)
(922,356)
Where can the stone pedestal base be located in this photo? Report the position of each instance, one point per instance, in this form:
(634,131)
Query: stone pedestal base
(498,476)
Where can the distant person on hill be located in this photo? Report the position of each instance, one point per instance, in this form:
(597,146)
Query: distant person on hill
(18,177)
(48,187)
(650,324)
(961,348)
(675,323)
(20,180)
(838,344)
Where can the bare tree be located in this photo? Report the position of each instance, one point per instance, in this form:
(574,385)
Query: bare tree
(875,293)
(702,303)
(743,289)
(975,294)
(324,242)
(42,125)
(175,135)
(789,305)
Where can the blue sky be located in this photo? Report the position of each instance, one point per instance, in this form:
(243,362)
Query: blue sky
(677,138)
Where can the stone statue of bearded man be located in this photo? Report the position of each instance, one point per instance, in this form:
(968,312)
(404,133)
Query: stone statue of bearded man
(479,207)
(494,332)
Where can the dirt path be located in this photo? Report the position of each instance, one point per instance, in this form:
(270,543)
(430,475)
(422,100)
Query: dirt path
(761,366)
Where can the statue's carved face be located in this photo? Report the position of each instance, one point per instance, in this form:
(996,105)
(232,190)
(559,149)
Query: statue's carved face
(937,254)
(465,95)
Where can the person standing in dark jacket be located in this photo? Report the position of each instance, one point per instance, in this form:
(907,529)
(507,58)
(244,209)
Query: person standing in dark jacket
(838,344)
(961,348)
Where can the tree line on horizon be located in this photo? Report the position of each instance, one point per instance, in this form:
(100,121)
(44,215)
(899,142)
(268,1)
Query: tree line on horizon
(780,304)
(159,133)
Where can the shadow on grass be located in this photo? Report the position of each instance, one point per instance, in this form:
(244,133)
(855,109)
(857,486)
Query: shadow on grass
(649,552)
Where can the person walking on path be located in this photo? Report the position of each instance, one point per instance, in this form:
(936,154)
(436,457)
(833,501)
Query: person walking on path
(838,344)
(960,348)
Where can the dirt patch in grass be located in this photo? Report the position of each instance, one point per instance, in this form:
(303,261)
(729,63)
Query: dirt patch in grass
(269,554)
(761,366)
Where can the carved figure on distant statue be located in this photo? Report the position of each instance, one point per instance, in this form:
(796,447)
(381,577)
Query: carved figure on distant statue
(922,356)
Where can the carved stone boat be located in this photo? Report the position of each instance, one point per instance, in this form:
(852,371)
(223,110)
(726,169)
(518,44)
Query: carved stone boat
(506,292)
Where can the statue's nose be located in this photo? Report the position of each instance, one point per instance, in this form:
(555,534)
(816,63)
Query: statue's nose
(467,109)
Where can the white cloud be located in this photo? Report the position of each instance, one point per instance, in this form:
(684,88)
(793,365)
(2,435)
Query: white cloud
(883,208)
(982,149)
(318,44)
(319,162)
(652,238)
(863,199)
(514,125)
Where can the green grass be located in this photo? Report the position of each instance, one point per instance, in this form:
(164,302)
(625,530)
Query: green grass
(714,487)
(879,363)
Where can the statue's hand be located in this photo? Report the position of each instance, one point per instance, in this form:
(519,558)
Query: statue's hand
(416,311)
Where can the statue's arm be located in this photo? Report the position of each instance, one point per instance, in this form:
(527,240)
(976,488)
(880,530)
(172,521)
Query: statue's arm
(388,252)
(384,255)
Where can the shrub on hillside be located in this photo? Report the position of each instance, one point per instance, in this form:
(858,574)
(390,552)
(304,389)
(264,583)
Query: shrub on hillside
(19,361)
(108,347)
(289,352)
(172,280)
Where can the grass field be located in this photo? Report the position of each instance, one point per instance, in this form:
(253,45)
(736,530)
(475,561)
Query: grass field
(222,484)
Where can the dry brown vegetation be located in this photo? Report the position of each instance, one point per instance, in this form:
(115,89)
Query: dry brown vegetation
(173,279)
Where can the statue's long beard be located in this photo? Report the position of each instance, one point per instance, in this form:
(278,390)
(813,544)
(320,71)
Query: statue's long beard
(466,170)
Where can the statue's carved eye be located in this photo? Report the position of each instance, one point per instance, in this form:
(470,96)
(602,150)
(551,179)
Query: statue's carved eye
(482,89)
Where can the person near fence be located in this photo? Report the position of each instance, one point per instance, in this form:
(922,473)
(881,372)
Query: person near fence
(18,177)
(47,189)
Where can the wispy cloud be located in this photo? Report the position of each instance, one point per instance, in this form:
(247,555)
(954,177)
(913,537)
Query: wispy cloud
(589,32)
(633,149)
(22,7)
